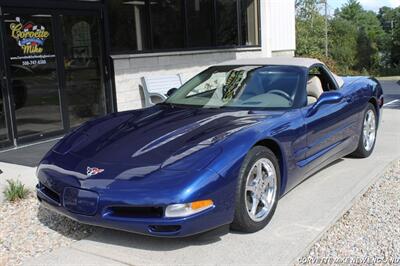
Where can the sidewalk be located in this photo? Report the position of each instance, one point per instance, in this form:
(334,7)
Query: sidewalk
(302,216)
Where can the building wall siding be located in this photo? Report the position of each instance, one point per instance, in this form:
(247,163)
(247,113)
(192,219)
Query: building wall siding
(285,53)
(282,25)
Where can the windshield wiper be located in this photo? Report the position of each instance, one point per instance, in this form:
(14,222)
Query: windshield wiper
(165,103)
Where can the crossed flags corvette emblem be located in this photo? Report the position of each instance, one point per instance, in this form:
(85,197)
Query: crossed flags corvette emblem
(91,171)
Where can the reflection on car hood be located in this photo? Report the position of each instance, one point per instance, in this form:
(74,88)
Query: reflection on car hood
(155,136)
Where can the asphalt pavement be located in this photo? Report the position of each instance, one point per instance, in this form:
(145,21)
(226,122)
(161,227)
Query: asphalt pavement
(27,155)
(391,91)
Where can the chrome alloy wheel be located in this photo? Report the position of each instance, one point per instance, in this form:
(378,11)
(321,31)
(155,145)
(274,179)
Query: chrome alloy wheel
(261,188)
(369,130)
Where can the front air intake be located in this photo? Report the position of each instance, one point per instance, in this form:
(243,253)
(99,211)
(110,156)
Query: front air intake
(49,193)
(164,228)
(135,212)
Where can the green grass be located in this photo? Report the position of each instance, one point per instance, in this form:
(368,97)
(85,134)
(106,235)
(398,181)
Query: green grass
(15,191)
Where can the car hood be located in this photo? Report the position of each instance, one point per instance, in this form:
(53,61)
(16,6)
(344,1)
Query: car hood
(155,137)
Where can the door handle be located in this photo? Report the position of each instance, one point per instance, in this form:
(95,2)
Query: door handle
(349,99)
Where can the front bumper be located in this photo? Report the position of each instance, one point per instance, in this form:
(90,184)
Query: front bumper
(154,226)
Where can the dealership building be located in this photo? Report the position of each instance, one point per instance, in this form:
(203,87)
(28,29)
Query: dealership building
(64,62)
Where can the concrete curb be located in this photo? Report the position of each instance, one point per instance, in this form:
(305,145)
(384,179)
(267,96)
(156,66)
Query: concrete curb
(389,78)
(347,207)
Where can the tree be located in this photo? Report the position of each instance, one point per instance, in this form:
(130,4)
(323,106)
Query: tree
(309,28)
(343,43)
(390,22)
(359,40)
(351,10)
(370,35)
(367,52)
(387,17)
(395,49)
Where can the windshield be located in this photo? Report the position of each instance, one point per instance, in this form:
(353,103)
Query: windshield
(242,86)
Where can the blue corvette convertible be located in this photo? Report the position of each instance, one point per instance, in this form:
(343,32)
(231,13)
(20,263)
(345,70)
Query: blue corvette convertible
(222,149)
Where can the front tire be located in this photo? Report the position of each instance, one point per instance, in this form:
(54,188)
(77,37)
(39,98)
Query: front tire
(258,191)
(366,144)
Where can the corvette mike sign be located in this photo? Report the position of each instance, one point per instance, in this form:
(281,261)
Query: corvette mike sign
(30,38)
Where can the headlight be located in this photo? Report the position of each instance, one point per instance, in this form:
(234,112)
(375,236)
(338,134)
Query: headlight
(186,209)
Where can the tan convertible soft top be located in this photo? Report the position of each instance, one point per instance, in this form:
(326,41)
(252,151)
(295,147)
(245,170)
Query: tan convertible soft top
(285,61)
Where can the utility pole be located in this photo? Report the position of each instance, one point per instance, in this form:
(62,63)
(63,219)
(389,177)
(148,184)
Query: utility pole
(326,26)
(392,27)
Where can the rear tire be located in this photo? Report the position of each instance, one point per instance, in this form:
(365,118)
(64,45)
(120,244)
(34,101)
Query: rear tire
(258,191)
(368,133)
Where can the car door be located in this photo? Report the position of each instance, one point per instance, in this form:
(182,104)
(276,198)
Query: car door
(326,125)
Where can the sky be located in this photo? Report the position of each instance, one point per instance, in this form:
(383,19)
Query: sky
(373,5)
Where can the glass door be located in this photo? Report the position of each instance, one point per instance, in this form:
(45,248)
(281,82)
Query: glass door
(33,76)
(54,72)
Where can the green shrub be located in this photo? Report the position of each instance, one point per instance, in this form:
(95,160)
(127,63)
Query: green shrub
(15,191)
(388,71)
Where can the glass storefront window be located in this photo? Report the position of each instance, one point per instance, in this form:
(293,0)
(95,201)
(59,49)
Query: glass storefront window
(249,21)
(55,73)
(128,25)
(156,25)
(227,34)
(34,79)
(200,23)
(167,24)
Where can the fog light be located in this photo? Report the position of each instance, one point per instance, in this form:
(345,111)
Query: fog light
(186,209)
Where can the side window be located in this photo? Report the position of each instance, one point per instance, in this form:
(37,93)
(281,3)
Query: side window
(319,81)
(326,80)
(314,71)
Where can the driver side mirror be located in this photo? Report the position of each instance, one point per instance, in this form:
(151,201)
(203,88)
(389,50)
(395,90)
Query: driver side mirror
(171,91)
(328,97)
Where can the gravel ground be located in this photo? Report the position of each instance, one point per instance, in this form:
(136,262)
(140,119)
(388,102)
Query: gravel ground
(28,230)
(369,233)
